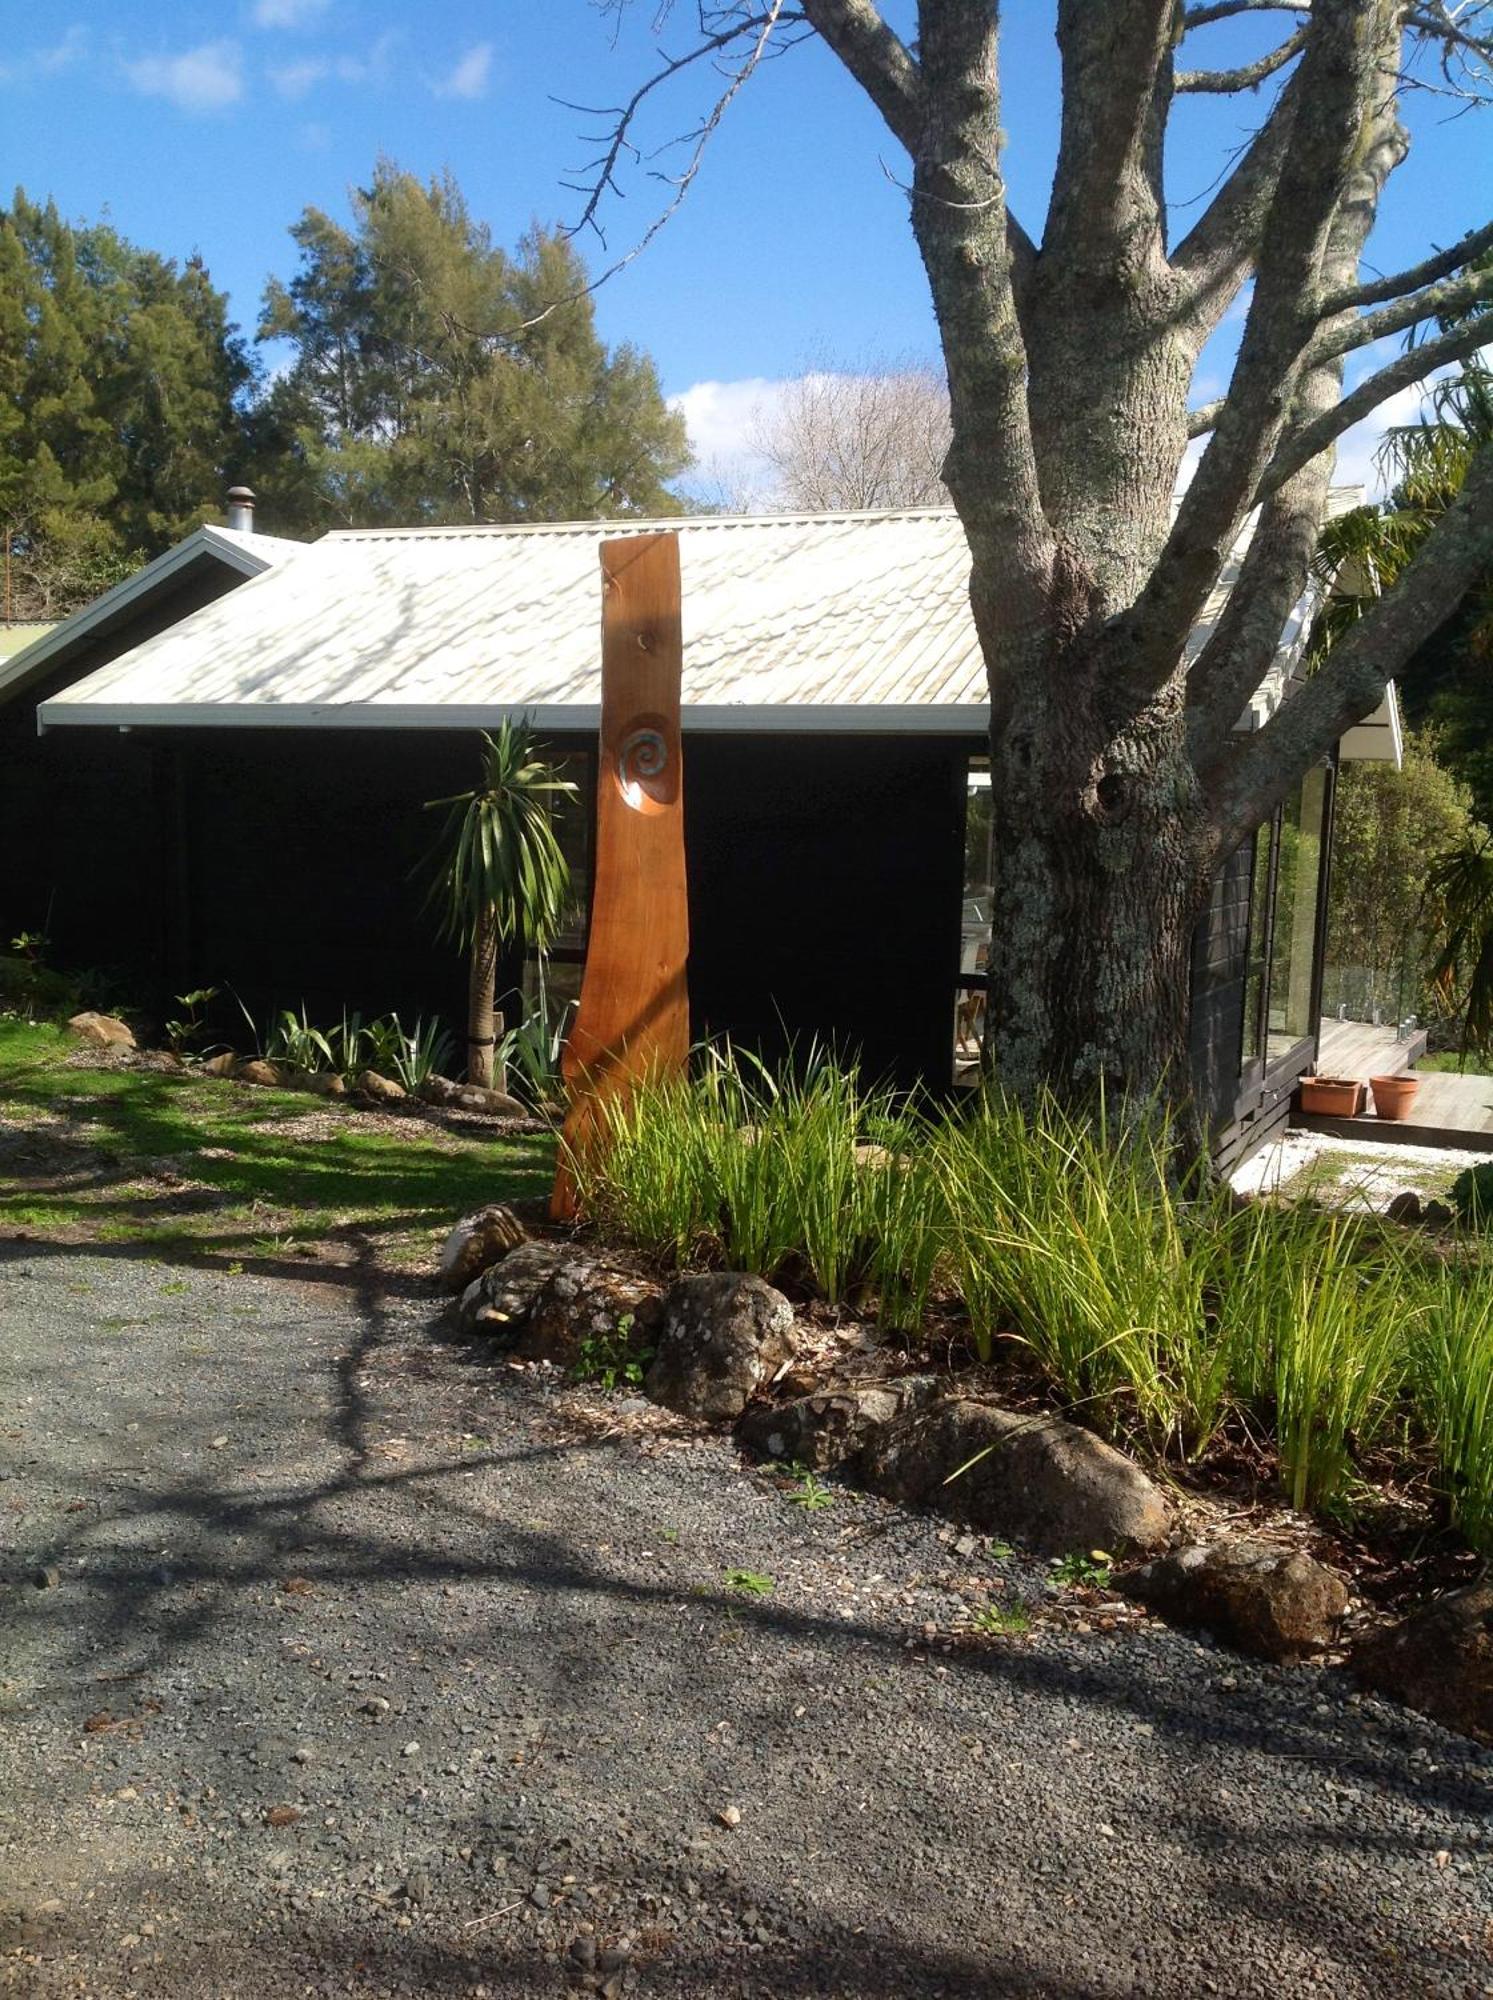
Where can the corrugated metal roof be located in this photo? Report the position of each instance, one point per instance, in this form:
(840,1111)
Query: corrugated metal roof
(823,612)
(821,621)
(246,554)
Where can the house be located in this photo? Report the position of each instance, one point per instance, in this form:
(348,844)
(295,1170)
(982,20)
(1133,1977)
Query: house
(220,768)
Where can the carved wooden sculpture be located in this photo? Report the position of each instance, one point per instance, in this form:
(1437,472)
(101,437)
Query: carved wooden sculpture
(633,1018)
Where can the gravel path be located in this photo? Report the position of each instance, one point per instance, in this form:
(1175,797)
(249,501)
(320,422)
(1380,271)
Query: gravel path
(351,1665)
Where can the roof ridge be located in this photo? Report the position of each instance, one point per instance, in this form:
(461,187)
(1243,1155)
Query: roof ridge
(645,524)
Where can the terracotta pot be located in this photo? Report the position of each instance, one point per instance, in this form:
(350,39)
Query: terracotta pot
(1394,1096)
(1332,1096)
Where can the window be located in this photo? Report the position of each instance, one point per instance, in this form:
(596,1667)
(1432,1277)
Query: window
(1280,975)
(1293,930)
(975,920)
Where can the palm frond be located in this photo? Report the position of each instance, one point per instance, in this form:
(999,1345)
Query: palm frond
(497,854)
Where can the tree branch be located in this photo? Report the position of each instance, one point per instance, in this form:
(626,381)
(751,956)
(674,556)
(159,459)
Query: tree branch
(1224,10)
(875,57)
(1249,76)
(1276,570)
(1352,297)
(1202,419)
(1298,447)
(959,220)
(1341,76)
(1452,295)
(1214,257)
(1349,684)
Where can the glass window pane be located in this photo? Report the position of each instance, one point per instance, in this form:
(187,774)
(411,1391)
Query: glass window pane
(974,932)
(1294,932)
(1254,978)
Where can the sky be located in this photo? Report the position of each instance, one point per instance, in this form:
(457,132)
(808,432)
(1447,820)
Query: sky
(208,128)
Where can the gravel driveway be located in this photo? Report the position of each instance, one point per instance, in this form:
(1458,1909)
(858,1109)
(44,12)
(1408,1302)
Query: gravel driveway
(335,1661)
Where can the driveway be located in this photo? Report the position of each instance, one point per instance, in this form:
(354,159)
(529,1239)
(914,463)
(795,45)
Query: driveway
(338,1662)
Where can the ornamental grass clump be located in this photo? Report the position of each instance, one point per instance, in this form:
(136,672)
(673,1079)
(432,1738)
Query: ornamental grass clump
(1069,1231)
(1319,1310)
(764,1172)
(1453,1388)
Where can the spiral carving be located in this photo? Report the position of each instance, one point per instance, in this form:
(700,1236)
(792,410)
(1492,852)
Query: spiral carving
(643,754)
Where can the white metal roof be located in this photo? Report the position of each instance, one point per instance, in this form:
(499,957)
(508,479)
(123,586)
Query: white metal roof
(248,554)
(819,622)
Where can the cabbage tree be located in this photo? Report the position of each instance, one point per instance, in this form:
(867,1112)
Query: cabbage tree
(500,876)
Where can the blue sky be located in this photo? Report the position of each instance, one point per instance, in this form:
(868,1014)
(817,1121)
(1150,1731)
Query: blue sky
(209,127)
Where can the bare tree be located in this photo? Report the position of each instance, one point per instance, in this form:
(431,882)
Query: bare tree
(840,439)
(1119,781)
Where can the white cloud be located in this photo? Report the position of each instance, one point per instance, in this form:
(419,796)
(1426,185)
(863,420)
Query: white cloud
(287,13)
(471,75)
(722,418)
(48,61)
(295,79)
(209,78)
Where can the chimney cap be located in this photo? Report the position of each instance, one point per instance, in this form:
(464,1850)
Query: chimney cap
(241,509)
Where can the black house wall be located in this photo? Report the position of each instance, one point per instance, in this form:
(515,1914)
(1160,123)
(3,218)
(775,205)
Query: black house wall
(825,877)
(79,829)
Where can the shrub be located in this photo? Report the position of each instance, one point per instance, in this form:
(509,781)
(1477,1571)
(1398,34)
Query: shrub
(1472,1195)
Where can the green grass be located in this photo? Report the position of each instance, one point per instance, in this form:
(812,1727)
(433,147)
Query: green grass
(1468,1065)
(268,1171)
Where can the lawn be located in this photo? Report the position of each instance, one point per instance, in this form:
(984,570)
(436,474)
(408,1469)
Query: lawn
(1457,1065)
(187,1164)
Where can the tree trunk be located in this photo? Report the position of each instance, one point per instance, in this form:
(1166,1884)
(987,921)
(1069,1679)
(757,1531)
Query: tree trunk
(1103,861)
(481,1011)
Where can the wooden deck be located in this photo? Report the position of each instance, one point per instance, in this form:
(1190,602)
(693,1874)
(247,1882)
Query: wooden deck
(1451,1110)
(1360,1048)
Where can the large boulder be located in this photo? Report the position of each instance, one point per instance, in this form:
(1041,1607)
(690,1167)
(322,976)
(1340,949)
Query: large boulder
(1439,1660)
(267,1074)
(451,1096)
(721,1336)
(552,1302)
(1279,1604)
(104,1031)
(1044,1481)
(830,1429)
(477,1242)
(380,1089)
(499,1302)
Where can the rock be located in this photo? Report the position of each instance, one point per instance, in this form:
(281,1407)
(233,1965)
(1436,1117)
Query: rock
(1278,1604)
(551,1302)
(477,1242)
(382,1089)
(47,1578)
(451,1096)
(588,1304)
(721,1336)
(1045,1481)
(498,1302)
(376,1707)
(105,1031)
(1406,1207)
(832,1428)
(729,1816)
(1439,1660)
(222,1064)
(259,1071)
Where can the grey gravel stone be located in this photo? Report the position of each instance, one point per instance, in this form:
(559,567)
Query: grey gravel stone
(916,1824)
